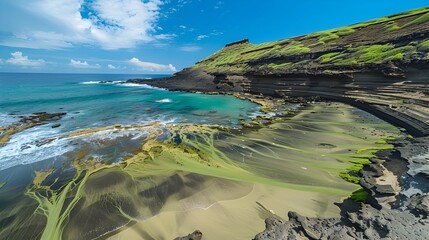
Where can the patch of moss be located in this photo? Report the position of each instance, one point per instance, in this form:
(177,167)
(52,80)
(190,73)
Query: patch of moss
(293,48)
(359,195)
(345,31)
(376,53)
(330,57)
(2,184)
(328,36)
(279,66)
(319,43)
(391,26)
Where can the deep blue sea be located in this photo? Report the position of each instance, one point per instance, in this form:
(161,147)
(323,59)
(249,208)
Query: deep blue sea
(97,100)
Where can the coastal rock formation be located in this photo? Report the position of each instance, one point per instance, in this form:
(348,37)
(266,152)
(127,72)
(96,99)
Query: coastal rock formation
(196,235)
(365,223)
(26,122)
(380,66)
(389,215)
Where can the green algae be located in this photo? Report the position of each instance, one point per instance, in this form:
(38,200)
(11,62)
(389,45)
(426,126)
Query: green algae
(2,184)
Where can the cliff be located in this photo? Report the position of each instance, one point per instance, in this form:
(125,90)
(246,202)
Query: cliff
(379,66)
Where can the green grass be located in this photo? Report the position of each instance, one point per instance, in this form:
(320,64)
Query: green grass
(391,26)
(359,195)
(328,36)
(344,31)
(422,19)
(239,58)
(279,66)
(423,46)
(330,57)
(374,54)
(293,48)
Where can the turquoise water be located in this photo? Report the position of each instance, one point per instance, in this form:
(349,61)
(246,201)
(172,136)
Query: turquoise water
(90,101)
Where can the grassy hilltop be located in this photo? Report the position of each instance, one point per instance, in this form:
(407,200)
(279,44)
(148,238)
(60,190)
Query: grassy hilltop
(397,39)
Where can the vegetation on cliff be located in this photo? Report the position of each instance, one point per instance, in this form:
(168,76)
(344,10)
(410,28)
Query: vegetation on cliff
(347,48)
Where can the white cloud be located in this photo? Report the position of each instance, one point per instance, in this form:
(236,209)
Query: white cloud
(165,36)
(153,67)
(216,33)
(182,26)
(111,24)
(201,37)
(84,64)
(19,59)
(190,48)
(110,66)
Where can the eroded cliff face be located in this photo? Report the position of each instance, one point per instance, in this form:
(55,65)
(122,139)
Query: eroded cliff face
(379,66)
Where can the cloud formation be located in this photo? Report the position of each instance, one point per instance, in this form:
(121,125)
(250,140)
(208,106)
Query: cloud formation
(110,66)
(19,59)
(84,64)
(201,37)
(110,24)
(153,67)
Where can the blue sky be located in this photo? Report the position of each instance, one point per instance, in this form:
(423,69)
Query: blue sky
(159,36)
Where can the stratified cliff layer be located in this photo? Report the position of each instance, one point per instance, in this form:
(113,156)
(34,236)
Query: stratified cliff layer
(379,65)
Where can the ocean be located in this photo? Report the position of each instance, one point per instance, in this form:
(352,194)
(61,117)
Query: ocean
(99,100)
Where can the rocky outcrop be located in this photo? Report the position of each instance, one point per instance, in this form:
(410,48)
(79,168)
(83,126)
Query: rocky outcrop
(26,122)
(196,235)
(394,211)
(365,223)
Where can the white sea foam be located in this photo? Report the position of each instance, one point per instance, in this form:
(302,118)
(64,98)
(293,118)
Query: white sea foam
(27,147)
(102,82)
(165,100)
(140,85)
(90,82)
(6,119)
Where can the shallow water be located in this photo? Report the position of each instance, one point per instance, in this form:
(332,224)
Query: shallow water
(90,104)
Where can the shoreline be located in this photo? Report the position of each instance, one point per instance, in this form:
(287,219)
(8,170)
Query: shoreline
(258,137)
(378,192)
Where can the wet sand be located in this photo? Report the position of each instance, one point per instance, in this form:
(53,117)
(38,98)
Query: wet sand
(239,218)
